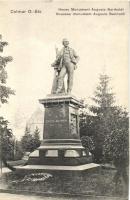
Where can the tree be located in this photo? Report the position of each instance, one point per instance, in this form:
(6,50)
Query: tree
(86,124)
(86,129)
(102,110)
(82,116)
(18,151)
(116,145)
(27,141)
(30,142)
(104,118)
(36,137)
(6,135)
(5,91)
(87,143)
(7,140)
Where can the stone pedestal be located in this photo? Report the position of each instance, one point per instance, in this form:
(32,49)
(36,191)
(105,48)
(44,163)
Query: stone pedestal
(61,121)
(61,147)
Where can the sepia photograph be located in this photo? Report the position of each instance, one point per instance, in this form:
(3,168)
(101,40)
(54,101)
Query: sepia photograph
(64,121)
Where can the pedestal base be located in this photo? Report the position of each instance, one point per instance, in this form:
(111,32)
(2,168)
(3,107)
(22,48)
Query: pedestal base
(60,154)
(90,166)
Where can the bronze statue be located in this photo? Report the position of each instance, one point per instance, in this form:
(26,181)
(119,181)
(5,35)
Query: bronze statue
(65,63)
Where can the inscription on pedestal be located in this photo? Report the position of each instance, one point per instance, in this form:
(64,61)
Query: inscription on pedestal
(56,122)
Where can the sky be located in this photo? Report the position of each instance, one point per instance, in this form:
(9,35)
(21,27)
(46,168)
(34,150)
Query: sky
(100,41)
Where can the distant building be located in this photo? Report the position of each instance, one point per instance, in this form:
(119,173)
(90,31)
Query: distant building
(36,120)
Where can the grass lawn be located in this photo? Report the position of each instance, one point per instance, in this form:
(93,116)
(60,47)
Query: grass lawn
(95,183)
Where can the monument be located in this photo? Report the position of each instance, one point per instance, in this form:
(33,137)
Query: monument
(61,148)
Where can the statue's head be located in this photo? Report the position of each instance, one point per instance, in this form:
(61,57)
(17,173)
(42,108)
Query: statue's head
(65,42)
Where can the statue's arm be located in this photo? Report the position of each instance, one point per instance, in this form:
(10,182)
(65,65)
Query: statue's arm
(76,56)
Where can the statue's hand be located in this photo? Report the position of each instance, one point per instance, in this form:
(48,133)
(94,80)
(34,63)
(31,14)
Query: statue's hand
(54,66)
(74,62)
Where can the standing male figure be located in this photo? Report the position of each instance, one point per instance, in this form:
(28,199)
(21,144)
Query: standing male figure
(66,61)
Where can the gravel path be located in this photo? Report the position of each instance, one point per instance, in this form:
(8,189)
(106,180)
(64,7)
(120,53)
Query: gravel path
(7,196)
